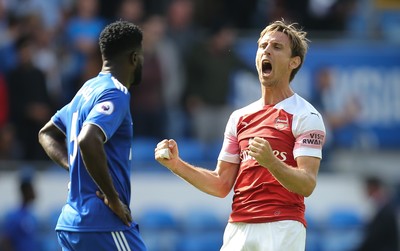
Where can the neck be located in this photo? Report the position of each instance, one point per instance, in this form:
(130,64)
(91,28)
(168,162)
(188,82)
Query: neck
(272,96)
(117,72)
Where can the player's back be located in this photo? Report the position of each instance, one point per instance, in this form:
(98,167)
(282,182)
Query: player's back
(102,101)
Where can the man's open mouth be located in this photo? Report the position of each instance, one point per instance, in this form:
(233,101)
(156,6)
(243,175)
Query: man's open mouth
(266,67)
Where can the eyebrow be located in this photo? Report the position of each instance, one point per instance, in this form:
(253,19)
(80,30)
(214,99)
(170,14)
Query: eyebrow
(273,41)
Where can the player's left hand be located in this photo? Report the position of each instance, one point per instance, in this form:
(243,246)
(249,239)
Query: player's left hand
(118,207)
(260,149)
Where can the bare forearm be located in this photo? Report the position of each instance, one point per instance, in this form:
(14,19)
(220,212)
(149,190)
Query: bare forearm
(56,149)
(293,179)
(217,183)
(59,154)
(205,180)
(300,180)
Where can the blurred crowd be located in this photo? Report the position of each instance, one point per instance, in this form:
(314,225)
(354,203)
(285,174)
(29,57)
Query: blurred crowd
(49,48)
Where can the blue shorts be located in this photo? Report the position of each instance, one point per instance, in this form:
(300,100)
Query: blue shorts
(129,240)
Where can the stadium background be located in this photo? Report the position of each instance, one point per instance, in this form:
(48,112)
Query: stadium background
(364,56)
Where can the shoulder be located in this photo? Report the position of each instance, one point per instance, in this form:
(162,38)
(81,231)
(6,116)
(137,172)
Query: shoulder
(118,86)
(104,84)
(298,106)
(237,114)
(101,93)
(248,109)
(307,110)
(305,115)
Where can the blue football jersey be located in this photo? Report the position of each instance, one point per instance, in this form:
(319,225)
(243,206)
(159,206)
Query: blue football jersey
(104,102)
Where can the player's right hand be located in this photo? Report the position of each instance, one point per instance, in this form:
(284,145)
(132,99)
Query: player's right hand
(173,153)
(118,207)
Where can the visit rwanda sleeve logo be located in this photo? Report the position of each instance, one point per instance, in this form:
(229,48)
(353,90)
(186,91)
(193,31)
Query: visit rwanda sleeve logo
(106,107)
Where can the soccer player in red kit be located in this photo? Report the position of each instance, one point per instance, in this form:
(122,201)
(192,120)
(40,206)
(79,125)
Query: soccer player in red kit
(270,156)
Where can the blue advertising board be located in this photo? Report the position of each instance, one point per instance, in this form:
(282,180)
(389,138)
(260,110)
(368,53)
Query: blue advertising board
(366,75)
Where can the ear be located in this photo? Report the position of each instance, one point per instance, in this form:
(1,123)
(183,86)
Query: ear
(133,58)
(294,62)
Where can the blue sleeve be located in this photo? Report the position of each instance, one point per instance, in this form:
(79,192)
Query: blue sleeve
(109,111)
(59,119)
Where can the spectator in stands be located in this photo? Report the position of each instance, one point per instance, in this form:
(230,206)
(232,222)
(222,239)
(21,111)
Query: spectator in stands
(7,131)
(332,16)
(155,103)
(90,69)
(241,13)
(337,114)
(30,105)
(8,147)
(50,12)
(45,57)
(382,231)
(20,232)
(131,10)
(81,36)
(4,109)
(210,66)
(108,9)
(10,31)
(181,26)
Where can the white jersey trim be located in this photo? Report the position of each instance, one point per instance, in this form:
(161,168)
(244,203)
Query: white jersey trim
(119,86)
(120,241)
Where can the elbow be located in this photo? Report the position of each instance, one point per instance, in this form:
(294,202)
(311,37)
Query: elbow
(307,193)
(40,137)
(221,194)
(309,189)
(218,190)
(223,190)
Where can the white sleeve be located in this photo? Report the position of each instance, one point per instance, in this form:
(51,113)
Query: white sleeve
(230,151)
(309,131)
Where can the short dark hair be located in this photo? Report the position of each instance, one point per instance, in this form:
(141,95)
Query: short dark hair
(118,37)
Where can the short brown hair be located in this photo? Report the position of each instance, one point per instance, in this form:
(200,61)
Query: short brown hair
(297,38)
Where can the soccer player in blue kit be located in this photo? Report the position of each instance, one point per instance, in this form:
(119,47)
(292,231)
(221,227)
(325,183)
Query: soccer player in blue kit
(91,137)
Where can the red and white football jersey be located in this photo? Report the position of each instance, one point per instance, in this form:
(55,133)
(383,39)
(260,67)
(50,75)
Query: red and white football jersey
(294,128)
